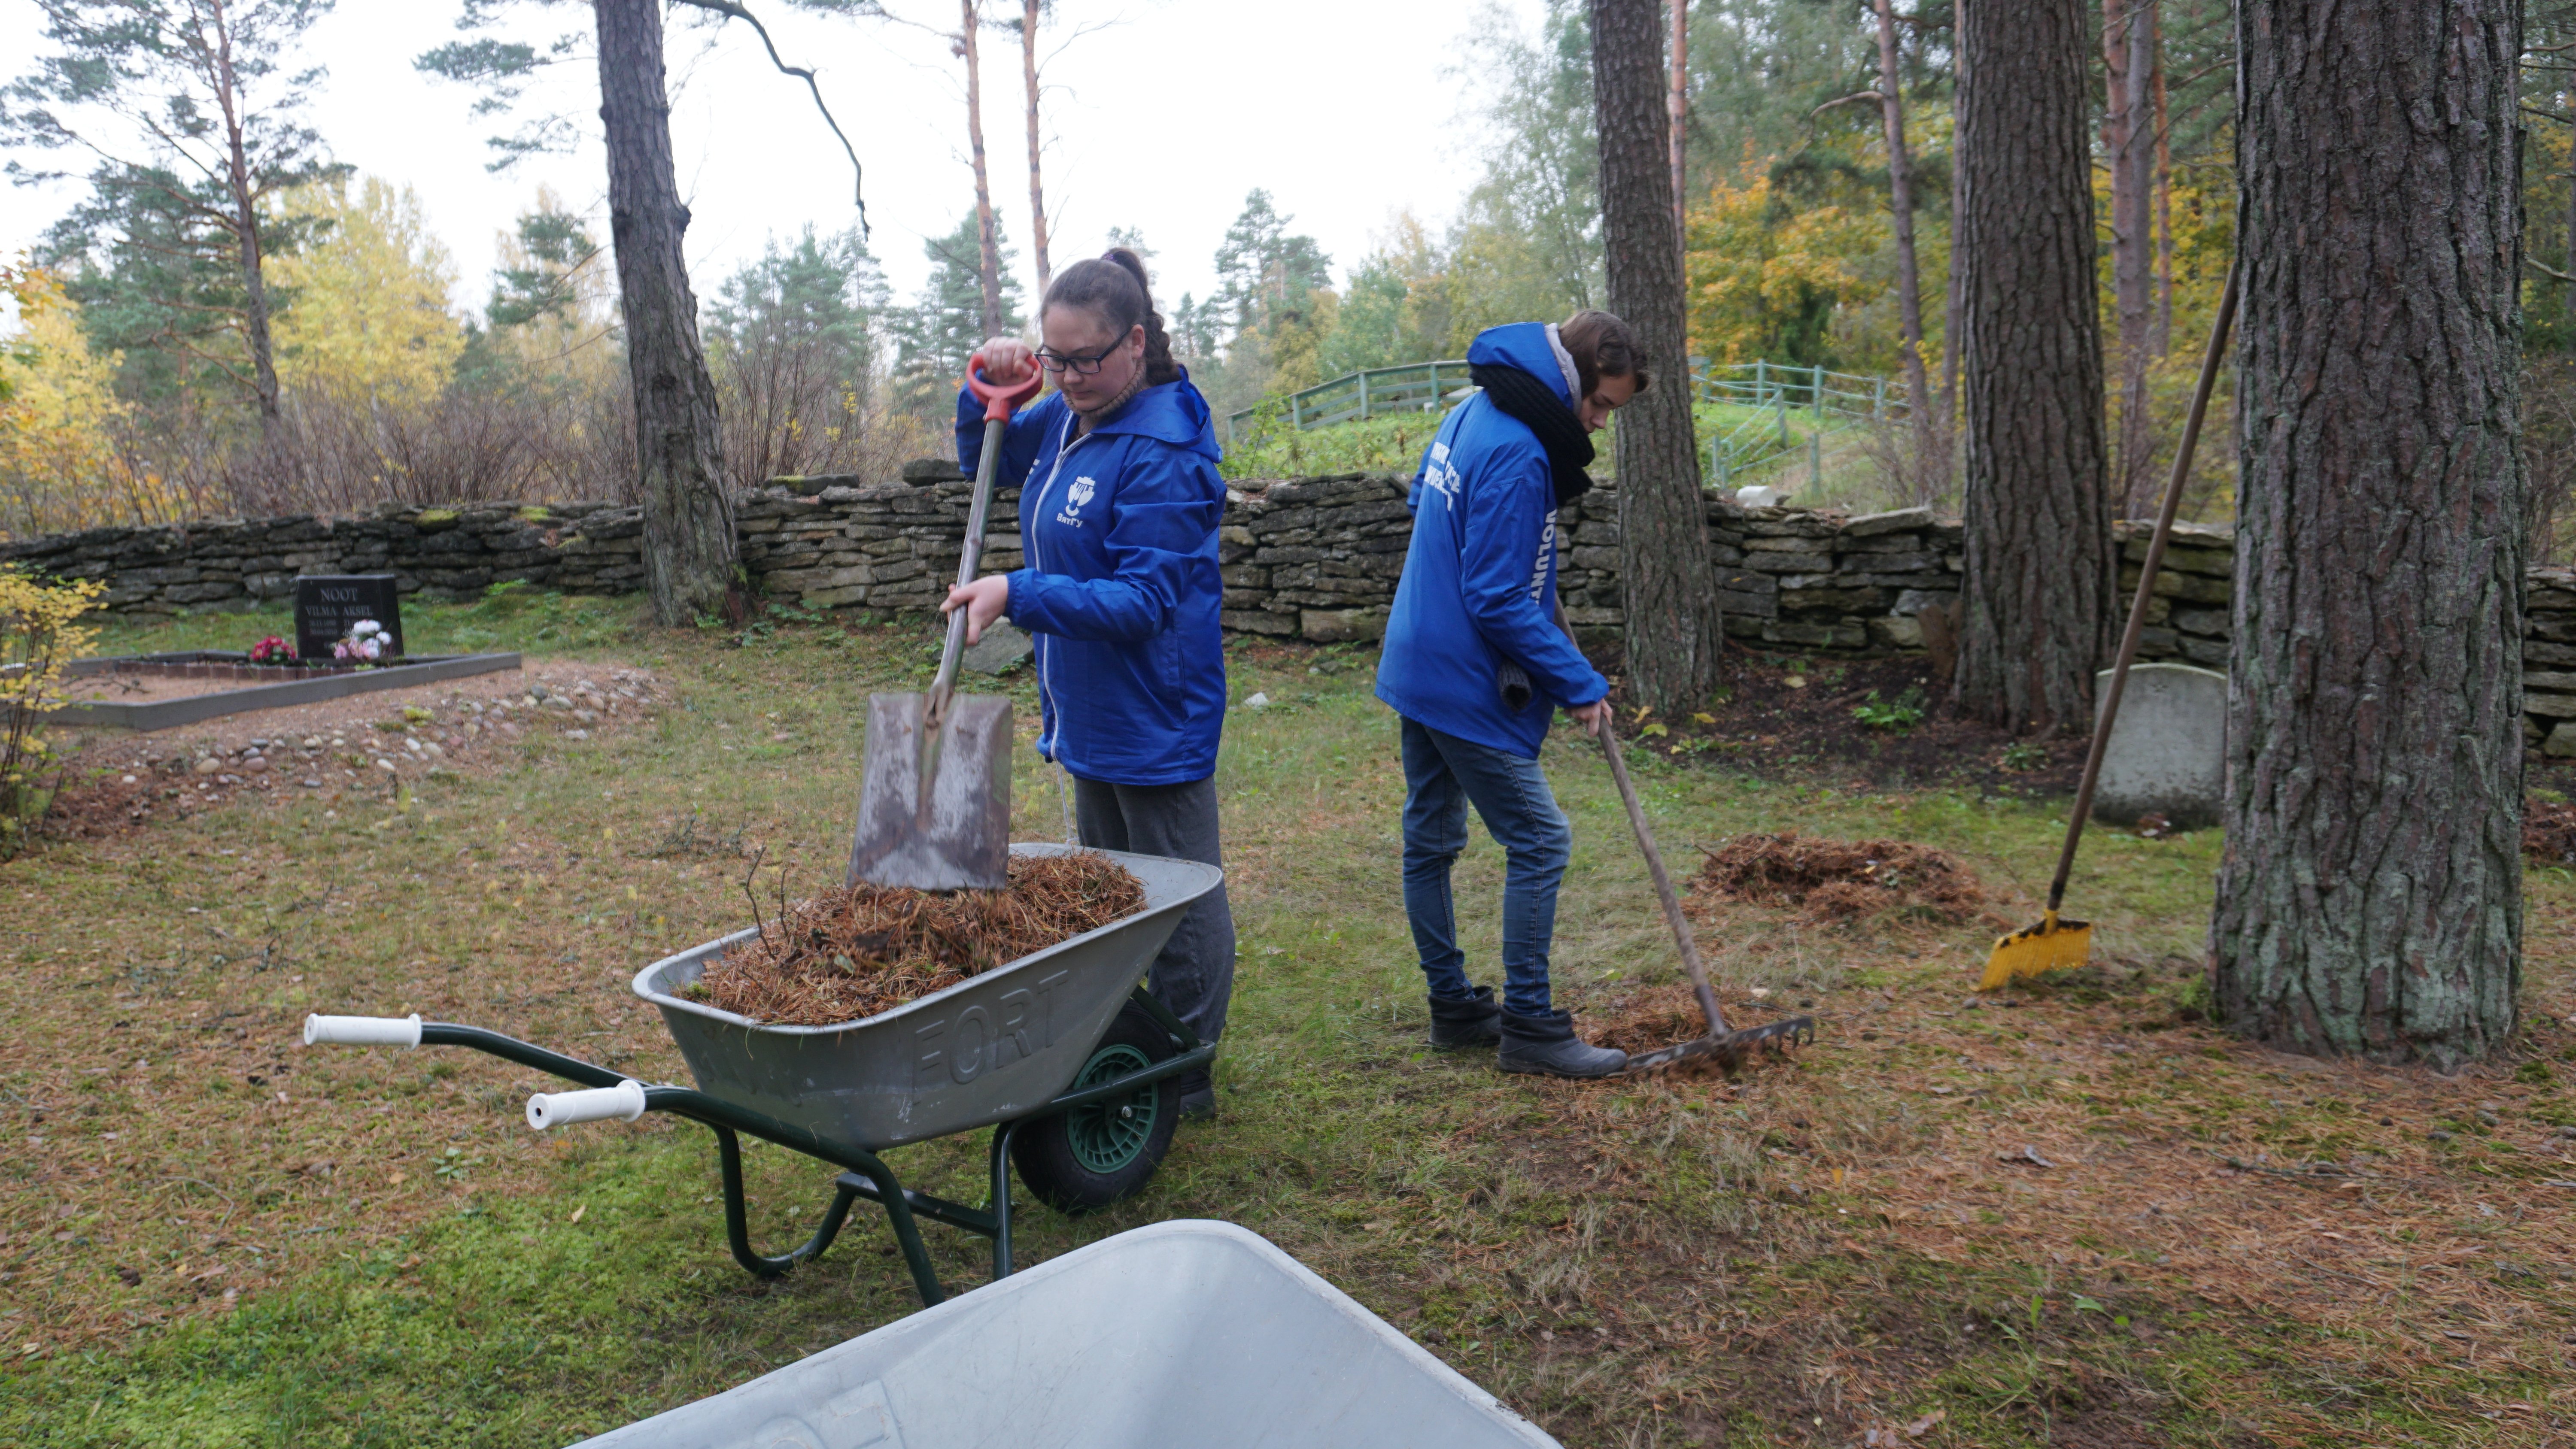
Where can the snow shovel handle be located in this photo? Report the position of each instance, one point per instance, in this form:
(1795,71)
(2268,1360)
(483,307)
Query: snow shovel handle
(2146,589)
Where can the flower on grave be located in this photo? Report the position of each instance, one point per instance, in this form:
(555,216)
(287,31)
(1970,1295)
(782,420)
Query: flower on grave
(272,650)
(366,643)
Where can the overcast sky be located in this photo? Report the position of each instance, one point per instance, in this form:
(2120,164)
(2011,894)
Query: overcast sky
(1348,111)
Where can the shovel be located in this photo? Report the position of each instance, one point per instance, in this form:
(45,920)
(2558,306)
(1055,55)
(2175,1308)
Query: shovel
(1728,1048)
(935,786)
(2052,944)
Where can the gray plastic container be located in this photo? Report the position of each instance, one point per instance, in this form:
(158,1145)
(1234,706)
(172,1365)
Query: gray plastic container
(988,1049)
(1190,1334)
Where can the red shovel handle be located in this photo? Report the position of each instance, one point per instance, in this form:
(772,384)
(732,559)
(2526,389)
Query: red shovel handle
(1000,401)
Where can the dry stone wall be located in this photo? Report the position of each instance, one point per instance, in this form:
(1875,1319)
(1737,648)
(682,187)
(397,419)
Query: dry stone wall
(1314,559)
(442,552)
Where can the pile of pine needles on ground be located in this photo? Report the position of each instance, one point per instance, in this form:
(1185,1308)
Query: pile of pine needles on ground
(1841,880)
(855,951)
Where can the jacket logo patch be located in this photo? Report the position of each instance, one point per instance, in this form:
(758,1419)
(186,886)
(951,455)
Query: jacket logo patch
(1074,497)
(1438,475)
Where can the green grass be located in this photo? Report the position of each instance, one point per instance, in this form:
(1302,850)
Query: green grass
(511,616)
(1826,1246)
(1849,477)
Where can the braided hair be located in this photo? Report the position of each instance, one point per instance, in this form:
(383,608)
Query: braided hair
(1112,287)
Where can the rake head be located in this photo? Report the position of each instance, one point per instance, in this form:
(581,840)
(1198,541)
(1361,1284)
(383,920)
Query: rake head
(2050,945)
(1730,1050)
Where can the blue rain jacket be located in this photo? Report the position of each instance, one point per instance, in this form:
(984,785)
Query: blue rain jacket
(1479,584)
(1118,531)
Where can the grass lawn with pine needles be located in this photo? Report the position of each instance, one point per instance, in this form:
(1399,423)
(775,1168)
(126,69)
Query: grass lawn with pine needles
(2074,1214)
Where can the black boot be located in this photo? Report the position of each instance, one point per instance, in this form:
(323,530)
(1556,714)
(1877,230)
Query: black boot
(1198,1096)
(1548,1046)
(1476,1021)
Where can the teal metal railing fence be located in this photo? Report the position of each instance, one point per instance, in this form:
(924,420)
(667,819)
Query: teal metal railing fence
(1775,392)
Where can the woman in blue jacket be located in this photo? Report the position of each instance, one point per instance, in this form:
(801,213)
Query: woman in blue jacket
(1479,592)
(1119,506)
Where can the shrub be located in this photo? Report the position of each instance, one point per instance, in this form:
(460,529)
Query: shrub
(37,637)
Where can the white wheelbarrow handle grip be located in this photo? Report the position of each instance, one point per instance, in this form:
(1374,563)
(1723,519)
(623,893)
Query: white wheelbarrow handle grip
(625,1102)
(363,1030)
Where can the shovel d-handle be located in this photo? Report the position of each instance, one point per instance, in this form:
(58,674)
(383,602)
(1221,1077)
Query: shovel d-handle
(612,1094)
(1000,400)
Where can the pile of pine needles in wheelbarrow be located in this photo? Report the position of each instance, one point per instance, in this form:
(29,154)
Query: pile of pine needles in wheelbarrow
(856,950)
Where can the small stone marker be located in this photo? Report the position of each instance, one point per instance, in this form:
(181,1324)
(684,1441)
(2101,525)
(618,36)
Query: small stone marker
(1001,650)
(327,604)
(2168,753)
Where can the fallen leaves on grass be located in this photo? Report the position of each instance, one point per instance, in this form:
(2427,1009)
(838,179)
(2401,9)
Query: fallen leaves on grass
(854,951)
(1842,880)
(2549,832)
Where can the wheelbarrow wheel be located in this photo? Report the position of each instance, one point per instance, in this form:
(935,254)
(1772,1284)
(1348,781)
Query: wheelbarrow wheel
(1094,1155)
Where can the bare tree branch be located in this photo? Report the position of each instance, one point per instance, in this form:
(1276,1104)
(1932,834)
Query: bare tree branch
(858,174)
(1873,97)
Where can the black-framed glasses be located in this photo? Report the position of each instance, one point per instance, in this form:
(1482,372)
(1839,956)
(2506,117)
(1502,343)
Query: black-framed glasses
(1083,366)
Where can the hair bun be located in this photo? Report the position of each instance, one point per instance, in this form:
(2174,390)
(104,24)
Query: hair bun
(1126,260)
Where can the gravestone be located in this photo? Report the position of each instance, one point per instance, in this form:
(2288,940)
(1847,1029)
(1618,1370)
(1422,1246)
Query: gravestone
(326,605)
(2168,752)
(1001,650)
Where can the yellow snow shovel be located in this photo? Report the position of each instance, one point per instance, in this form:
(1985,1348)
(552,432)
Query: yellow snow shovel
(935,782)
(2052,943)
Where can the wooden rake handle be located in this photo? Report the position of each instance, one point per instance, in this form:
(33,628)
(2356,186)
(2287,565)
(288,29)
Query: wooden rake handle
(1664,892)
(2146,589)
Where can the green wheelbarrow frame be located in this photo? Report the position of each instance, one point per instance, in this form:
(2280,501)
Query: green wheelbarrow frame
(864,1175)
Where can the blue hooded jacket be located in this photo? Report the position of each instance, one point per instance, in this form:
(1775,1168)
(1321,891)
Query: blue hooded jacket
(1118,529)
(1479,583)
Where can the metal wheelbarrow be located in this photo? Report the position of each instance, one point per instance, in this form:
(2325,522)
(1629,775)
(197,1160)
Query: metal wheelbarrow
(1063,1051)
(1182,1333)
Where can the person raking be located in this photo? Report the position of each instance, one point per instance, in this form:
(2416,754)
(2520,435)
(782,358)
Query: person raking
(1118,521)
(1479,591)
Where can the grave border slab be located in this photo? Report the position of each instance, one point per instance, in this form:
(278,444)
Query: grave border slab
(171,713)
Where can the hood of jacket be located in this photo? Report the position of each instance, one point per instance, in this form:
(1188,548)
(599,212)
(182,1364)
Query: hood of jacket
(1171,413)
(1531,347)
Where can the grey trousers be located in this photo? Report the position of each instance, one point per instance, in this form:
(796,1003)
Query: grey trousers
(1195,974)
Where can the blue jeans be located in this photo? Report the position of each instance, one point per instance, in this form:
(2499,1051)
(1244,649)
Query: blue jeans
(1443,775)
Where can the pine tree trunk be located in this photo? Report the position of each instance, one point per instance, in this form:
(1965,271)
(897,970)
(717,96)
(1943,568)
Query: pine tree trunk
(1909,277)
(1673,629)
(1037,183)
(1950,318)
(1677,109)
(988,261)
(690,556)
(245,228)
(2164,195)
(2128,144)
(2039,573)
(2370,897)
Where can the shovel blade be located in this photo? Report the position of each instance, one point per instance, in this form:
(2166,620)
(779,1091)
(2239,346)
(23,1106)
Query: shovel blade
(935,804)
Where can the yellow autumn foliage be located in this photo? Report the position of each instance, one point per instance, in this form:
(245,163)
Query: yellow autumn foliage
(62,466)
(366,311)
(38,636)
(1765,278)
